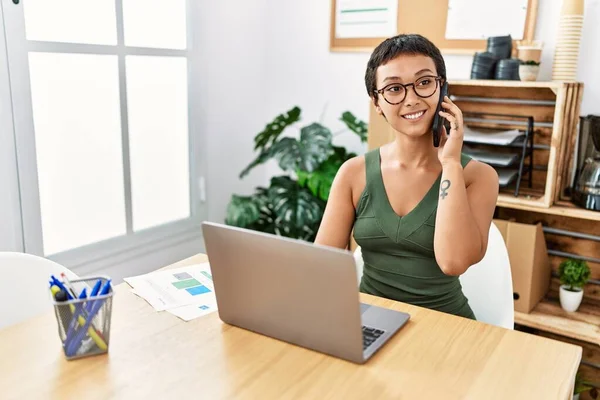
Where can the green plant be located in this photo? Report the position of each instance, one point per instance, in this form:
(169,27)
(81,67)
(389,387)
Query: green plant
(293,204)
(574,274)
(529,62)
(583,386)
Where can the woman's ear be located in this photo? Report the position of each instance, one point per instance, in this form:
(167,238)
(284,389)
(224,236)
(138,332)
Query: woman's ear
(377,108)
(376,105)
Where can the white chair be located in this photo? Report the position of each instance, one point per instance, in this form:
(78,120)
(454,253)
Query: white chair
(487,284)
(24,287)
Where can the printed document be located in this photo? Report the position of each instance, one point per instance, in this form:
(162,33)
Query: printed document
(187,292)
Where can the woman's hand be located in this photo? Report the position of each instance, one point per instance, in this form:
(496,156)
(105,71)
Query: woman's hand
(451,145)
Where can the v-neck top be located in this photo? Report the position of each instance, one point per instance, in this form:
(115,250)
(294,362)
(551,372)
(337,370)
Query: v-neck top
(398,253)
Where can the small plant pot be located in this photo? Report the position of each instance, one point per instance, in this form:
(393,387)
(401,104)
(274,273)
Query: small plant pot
(570,300)
(526,53)
(529,72)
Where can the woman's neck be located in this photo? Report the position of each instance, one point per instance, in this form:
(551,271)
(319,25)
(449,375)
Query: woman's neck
(414,152)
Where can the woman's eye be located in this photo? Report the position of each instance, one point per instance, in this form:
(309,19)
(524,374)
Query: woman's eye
(394,89)
(424,82)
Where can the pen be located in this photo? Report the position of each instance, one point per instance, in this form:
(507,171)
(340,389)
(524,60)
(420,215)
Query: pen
(69,285)
(96,287)
(94,292)
(77,309)
(61,286)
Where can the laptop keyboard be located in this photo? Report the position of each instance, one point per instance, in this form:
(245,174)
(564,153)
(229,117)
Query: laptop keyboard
(370,335)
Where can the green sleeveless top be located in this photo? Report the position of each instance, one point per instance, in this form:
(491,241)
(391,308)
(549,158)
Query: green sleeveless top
(399,261)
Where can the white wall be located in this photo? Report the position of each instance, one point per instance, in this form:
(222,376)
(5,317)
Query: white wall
(230,41)
(276,53)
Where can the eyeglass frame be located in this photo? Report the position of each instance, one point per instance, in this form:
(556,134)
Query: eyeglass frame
(436,78)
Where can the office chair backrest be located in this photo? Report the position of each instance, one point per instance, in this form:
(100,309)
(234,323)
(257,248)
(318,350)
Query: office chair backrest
(24,288)
(487,284)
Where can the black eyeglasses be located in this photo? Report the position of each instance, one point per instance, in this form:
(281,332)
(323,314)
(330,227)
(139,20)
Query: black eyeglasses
(424,87)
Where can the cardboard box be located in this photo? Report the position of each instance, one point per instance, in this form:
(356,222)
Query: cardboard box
(530,266)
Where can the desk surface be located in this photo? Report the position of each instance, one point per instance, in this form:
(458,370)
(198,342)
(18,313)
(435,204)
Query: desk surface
(156,354)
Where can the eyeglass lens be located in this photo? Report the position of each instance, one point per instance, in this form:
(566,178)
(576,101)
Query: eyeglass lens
(424,87)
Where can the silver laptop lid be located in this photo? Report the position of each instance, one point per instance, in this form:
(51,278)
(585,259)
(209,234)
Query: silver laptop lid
(291,290)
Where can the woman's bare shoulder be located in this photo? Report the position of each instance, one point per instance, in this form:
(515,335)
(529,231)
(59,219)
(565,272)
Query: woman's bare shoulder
(352,175)
(477,171)
(353,167)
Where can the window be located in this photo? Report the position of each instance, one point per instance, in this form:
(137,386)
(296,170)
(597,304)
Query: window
(105,154)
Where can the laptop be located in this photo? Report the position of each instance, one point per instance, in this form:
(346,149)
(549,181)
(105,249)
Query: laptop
(295,291)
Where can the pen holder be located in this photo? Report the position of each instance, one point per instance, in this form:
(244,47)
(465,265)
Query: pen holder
(84,324)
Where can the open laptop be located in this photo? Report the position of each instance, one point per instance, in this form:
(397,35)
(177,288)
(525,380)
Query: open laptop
(295,291)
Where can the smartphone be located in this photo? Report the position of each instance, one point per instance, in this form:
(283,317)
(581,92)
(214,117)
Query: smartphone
(438,120)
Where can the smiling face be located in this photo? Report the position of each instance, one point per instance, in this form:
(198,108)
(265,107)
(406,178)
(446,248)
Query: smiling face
(413,115)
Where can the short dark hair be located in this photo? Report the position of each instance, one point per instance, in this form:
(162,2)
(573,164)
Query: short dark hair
(413,44)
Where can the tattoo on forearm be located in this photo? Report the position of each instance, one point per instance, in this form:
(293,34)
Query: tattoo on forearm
(444,186)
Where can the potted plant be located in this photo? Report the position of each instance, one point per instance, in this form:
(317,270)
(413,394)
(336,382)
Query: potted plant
(529,70)
(582,386)
(573,274)
(294,203)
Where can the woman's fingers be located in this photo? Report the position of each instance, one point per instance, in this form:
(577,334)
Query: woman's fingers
(447,103)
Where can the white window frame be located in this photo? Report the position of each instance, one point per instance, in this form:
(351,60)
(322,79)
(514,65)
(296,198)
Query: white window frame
(100,255)
(11,233)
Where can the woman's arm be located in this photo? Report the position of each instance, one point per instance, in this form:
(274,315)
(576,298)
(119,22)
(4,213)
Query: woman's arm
(338,219)
(465,209)
(464,216)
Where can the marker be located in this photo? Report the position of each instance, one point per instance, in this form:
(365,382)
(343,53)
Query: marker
(61,296)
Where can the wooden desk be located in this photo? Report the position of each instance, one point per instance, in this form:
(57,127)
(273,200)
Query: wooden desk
(156,355)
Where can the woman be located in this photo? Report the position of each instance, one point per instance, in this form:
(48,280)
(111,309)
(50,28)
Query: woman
(420,213)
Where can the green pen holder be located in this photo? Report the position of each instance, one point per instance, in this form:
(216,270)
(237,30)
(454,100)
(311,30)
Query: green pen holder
(84,323)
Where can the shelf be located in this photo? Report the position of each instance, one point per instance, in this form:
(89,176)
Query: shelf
(491,158)
(507,83)
(489,137)
(548,316)
(567,210)
(507,176)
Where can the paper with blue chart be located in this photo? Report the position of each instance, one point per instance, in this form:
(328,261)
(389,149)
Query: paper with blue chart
(186,292)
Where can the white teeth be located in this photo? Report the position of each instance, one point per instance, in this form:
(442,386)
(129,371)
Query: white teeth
(414,116)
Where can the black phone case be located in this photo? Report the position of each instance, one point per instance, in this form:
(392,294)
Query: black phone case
(438,121)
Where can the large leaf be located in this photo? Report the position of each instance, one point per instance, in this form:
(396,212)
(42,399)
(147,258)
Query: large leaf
(297,212)
(355,125)
(274,128)
(265,139)
(319,181)
(266,219)
(262,157)
(306,154)
(252,212)
(242,211)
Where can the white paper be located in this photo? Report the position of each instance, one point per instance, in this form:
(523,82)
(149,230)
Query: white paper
(480,19)
(501,138)
(366,18)
(173,288)
(188,313)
